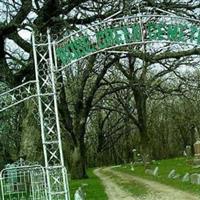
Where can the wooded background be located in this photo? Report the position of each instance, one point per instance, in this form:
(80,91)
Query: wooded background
(109,103)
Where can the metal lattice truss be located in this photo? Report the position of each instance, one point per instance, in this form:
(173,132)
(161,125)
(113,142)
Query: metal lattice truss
(17,95)
(44,88)
(45,63)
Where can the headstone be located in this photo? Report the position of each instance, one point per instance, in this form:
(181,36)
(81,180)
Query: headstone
(134,154)
(196,160)
(172,173)
(197,148)
(186,177)
(195,179)
(79,194)
(138,158)
(155,172)
(188,151)
(152,172)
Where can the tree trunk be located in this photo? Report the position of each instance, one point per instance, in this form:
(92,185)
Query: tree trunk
(78,167)
(140,99)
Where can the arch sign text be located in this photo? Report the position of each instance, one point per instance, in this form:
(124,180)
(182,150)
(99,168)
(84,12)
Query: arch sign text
(131,31)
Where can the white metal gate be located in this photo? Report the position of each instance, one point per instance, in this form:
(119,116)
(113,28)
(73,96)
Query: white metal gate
(44,88)
(21,180)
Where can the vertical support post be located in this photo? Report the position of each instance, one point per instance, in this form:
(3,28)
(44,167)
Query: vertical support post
(2,186)
(40,110)
(50,46)
(57,183)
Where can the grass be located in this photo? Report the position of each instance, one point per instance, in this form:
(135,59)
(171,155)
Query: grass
(92,186)
(95,191)
(165,166)
(136,189)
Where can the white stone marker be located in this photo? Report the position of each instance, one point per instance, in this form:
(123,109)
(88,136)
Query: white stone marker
(186,177)
(79,195)
(172,173)
(195,178)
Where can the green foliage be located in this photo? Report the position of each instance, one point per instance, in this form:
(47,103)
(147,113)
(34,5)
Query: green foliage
(9,131)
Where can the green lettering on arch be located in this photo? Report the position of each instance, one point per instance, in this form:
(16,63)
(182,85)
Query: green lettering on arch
(83,46)
(63,55)
(73,52)
(193,31)
(127,34)
(118,36)
(198,37)
(173,32)
(160,31)
(181,35)
(136,33)
(104,38)
(177,32)
(151,31)
(155,31)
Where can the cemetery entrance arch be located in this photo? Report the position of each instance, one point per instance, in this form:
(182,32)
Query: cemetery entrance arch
(53,56)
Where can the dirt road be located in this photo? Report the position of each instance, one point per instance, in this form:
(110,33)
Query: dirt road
(157,190)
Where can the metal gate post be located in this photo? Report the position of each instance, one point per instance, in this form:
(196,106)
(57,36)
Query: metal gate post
(57,183)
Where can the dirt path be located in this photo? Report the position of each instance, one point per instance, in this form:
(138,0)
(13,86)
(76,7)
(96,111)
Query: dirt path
(158,191)
(113,190)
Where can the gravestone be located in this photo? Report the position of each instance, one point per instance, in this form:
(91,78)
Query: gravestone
(196,160)
(79,194)
(188,151)
(197,148)
(138,160)
(152,172)
(195,179)
(134,154)
(155,172)
(172,173)
(186,177)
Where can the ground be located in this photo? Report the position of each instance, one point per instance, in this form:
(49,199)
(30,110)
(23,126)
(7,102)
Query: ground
(156,191)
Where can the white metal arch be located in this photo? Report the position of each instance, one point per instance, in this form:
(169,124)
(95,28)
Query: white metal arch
(180,24)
